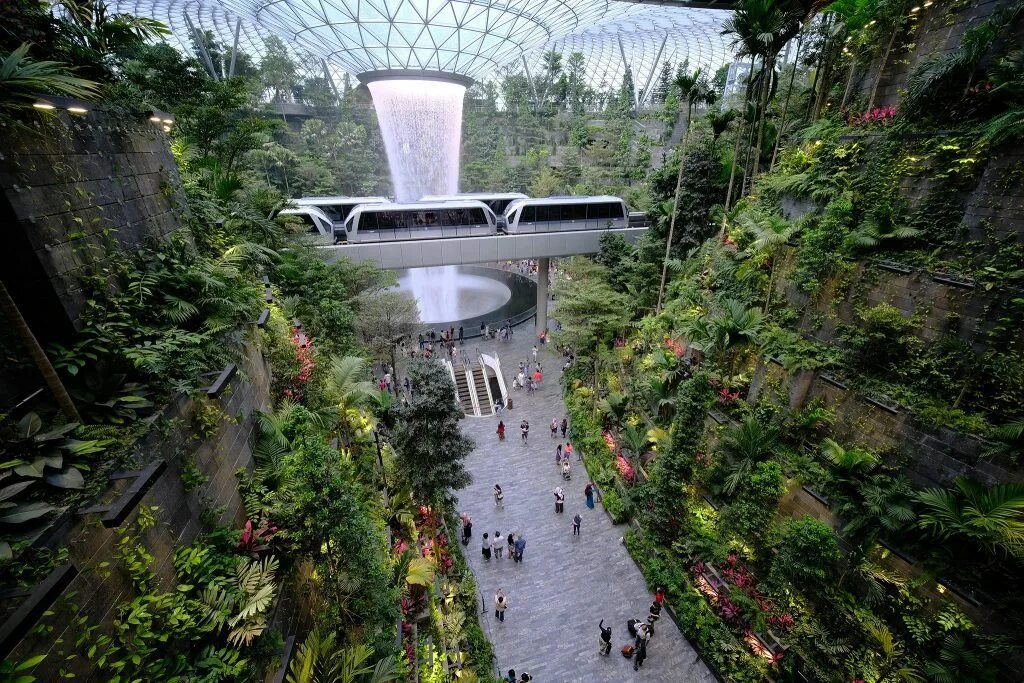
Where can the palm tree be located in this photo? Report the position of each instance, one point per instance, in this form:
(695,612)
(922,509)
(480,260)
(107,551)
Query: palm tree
(770,234)
(693,89)
(762,28)
(38,356)
(349,390)
(850,461)
(744,446)
(22,79)
(726,332)
(993,518)
(720,121)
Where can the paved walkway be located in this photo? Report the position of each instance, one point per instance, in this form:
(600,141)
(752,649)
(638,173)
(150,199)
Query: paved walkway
(565,584)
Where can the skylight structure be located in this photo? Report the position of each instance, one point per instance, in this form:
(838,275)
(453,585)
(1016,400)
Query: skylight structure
(419,43)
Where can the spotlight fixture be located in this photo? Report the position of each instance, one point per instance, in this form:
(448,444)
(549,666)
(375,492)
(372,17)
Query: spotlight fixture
(43,105)
(78,110)
(154,119)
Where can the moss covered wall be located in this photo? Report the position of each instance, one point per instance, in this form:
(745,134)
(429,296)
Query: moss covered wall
(179,511)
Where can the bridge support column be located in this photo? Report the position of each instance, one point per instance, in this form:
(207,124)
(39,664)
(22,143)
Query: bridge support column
(542,294)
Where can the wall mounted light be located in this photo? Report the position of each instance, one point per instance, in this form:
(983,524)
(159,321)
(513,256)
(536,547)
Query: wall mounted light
(43,105)
(78,110)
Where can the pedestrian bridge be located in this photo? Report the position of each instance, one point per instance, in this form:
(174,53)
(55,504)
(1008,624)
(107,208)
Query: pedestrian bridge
(454,251)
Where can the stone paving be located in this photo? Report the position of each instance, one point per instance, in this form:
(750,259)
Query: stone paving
(565,584)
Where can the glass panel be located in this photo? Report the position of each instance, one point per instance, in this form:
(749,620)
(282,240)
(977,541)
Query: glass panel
(476,217)
(368,221)
(579,212)
(530,214)
(566,212)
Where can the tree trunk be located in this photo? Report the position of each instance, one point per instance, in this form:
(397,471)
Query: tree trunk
(785,106)
(750,137)
(885,60)
(826,74)
(849,84)
(766,91)
(818,80)
(675,205)
(732,181)
(38,356)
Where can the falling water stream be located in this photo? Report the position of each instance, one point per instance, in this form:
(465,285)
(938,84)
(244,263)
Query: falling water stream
(452,293)
(421,121)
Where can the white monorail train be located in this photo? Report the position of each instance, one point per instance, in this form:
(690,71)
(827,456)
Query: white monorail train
(418,220)
(496,201)
(556,214)
(326,215)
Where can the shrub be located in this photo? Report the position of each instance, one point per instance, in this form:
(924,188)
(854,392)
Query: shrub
(616,506)
(806,552)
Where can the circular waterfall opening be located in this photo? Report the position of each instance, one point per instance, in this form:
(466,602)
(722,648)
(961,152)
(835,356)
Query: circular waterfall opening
(468,295)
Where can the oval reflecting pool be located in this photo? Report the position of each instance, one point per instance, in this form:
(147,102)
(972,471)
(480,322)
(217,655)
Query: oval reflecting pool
(468,295)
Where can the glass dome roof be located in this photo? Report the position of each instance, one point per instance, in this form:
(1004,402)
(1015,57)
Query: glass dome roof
(470,38)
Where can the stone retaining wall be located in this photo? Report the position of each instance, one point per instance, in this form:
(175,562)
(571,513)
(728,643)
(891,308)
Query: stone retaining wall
(75,191)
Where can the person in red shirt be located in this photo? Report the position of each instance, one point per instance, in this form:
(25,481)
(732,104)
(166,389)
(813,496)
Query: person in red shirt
(659,595)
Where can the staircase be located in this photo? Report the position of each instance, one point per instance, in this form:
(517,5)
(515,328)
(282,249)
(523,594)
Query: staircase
(482,393)
(462,390)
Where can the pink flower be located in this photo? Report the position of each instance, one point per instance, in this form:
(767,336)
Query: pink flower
(625,468)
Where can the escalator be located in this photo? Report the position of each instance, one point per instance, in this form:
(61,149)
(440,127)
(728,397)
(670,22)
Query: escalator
(480,382)
(462,390)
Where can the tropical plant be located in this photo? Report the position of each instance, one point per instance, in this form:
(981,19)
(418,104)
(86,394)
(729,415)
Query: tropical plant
(731,328)
(243,607)
(745,445)
(22,79)
(635,440)
(320,659)
(348,389)
(693,89)
(992,518)
(769,233)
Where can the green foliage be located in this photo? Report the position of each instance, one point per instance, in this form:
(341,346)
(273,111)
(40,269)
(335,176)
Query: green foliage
(883,339)
(820,255)
(590,311)
(991,518)
(750,514)
(806,552)
(22,79)
(429,446)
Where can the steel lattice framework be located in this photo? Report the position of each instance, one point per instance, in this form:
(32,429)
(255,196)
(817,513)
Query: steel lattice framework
(643,40)
(469,38)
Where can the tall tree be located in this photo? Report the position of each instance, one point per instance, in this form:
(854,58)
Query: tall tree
(383,319)
(429,446)
(693,89)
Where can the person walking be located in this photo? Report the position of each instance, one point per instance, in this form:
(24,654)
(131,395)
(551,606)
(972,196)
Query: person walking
(568,452)
(559,499)
(606,638)
(511,678)
(588,491)
(486,548)
(537,377)
(500,604)
(659,595)
(498,545)
(501,430)
(558,455)
(524,428)
(535,353)
(499,496)
(510,540)
(554,428)
(565,425)
(498,407)
(520,547)
(461,335)
(576,521)
(467,528)
(640,656)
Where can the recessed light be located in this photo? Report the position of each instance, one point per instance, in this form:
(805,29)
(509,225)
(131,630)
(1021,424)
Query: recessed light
(78,110)
(43,105)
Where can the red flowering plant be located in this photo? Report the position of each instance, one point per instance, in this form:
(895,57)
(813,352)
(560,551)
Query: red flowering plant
(256,538)
(876,115)
(725,397)
(677,348)
(625,468)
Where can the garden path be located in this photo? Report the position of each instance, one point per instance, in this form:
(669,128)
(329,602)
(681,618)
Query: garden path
(565,584)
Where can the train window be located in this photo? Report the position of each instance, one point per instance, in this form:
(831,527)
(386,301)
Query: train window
(593,211)
(529,214)
(332,213)
(475,216)
(343,210)
(579,212)
(513,216)
(368,220)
